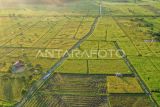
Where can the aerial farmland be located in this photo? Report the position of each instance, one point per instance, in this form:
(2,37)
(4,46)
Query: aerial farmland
(79,53)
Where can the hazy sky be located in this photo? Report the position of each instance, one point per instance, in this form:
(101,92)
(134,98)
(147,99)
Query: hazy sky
(30,1)
(10,3)
(19,3)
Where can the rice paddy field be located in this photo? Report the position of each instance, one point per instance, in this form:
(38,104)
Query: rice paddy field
(80,53)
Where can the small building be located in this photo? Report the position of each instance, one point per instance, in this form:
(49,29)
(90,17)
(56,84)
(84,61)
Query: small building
(18,67)
(119,75)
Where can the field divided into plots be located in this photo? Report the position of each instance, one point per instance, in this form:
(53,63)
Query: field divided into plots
(93,77)
(33,43)
(117,65)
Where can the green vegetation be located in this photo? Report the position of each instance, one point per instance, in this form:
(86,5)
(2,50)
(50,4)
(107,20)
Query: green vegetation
(107,67)
(95,72)
(73,66)
(123,85)
(133,100)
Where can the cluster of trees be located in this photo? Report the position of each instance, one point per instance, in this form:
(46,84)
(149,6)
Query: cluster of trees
(31,80)
(15,15)
(156,90)
(152,31)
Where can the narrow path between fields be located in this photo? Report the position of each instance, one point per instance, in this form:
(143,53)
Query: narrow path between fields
(141,82)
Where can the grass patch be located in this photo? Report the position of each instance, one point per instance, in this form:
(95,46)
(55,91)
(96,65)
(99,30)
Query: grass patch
(123,85)
(108,67)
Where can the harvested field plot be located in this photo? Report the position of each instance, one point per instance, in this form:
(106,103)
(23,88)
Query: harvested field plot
(73,90)
(77,84)
(79,53)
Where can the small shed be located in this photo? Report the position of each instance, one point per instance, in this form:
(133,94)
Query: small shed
(18,67)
